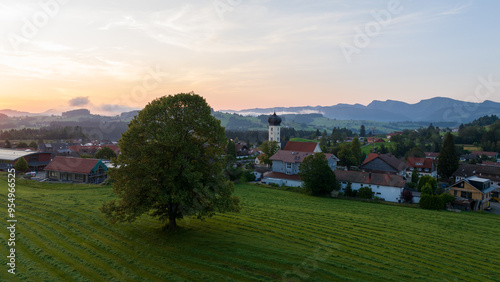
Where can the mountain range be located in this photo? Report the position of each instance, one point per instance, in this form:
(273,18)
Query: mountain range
(437,109)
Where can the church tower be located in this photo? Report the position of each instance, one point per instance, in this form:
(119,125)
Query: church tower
(274,128)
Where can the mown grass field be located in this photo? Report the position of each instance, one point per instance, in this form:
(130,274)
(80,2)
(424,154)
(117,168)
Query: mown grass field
(61,236)
(368,148)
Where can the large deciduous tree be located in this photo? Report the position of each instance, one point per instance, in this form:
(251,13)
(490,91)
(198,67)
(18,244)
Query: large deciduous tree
(448,160)
(317,175)
(269,148)
(171,164)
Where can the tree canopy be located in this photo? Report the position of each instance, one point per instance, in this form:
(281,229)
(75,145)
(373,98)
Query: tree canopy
(317,175)
(171,164)
(105,153)
(269,148)
(21,165)
(448,160)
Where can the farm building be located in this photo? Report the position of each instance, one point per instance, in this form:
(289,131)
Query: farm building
(385,186)
(36,160)
(76,170)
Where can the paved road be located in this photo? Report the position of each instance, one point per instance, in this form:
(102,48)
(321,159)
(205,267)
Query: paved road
(495,207)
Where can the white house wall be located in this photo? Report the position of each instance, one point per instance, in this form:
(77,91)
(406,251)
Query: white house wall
(388,193)
(283,182)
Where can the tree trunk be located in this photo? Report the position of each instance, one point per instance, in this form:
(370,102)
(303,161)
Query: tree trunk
(172,224)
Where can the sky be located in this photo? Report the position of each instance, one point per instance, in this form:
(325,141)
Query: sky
(115,56)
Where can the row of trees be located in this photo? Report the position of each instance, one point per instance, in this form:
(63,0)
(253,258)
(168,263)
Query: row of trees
(53,132)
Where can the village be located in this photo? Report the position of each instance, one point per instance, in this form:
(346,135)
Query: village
(475,185)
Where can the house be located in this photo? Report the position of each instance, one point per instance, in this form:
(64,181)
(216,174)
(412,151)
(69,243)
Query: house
(384,163)
(36,160)
(425,166)
(480,170)
(76,170)
(385,186)
(241,149)
(374,140)
(431,155)
(286,163)
(488,154)
(484,171)
(472,193)
(55,148)
(468,157)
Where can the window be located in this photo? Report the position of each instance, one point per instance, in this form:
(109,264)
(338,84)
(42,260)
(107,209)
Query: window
(289,165)
(456,192)
(271,129)
(463,194)
(271,139)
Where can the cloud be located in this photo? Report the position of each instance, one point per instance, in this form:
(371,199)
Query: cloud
(79,101)
(458,9)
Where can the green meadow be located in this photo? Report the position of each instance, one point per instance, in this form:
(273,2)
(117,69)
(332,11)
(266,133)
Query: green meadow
(61,236)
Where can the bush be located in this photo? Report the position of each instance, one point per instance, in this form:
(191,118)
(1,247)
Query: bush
(407,196)
(365,193)
(348,192)
(247,176)
(431,202)
(447,198)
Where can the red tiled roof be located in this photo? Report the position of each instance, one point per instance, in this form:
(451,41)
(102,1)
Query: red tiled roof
(419,162)
(69,164)
(300,146)
(431,155)
(375,179)
(374,140)
(272,174)
(293,157)
(370,157)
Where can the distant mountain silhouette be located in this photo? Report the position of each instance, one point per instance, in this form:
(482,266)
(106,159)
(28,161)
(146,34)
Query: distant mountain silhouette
(437,109)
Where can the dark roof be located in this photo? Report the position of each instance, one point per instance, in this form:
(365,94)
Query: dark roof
(419,162)
(375,179)
(389,159)
(294,157)
(484,171)
(300,146)
(69,164)
(274,120)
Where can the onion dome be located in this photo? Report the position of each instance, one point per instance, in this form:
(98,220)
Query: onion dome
(274,120)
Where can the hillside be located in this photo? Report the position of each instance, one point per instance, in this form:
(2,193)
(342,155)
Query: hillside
(278,235)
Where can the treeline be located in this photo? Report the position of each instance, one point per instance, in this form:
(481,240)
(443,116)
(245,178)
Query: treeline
(46,133)
(483,132)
